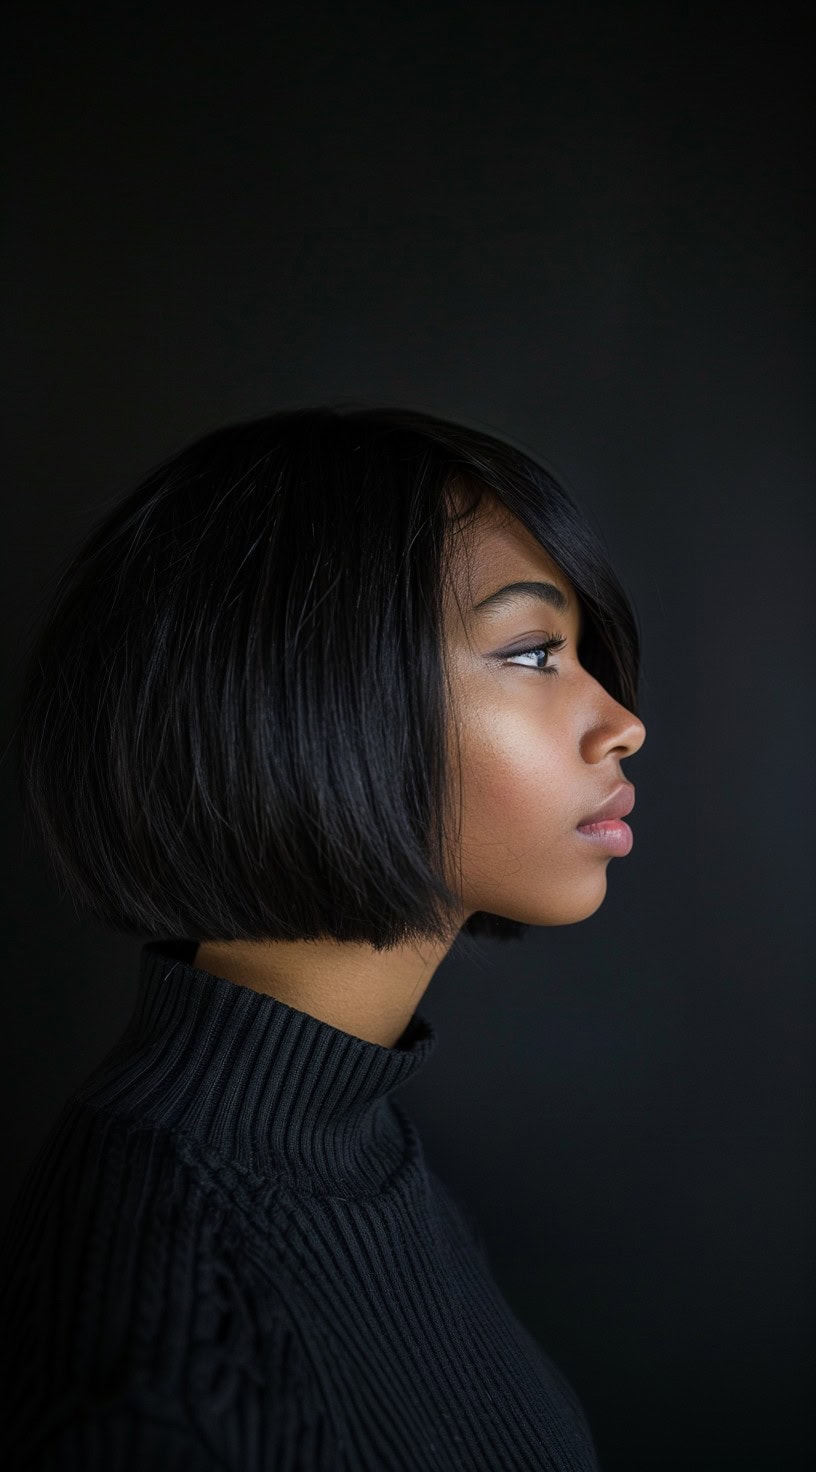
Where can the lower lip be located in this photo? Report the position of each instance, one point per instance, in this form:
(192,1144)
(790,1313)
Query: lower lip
(614,836)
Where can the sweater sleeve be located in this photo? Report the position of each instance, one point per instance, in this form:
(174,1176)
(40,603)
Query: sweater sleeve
(123,1440)
(135,1333)
(150,1433)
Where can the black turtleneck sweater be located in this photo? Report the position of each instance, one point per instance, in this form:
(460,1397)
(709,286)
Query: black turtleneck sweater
(230,1253)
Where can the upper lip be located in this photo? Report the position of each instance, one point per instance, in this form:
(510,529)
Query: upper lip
(617,805)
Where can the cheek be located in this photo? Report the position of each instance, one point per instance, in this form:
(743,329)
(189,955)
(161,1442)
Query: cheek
(515,775)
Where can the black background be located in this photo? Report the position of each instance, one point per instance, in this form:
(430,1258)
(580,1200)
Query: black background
(589,228)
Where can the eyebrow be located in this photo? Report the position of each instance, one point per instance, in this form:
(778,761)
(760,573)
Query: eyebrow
(513,592)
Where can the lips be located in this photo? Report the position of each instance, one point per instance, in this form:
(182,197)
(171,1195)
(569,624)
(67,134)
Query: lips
(617,805)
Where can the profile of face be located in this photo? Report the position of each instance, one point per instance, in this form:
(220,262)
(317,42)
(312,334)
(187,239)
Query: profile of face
(540,740)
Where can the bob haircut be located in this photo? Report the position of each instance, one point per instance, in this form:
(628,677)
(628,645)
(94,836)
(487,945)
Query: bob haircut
(233,722)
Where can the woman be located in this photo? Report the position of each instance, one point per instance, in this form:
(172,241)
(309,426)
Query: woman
(287,718)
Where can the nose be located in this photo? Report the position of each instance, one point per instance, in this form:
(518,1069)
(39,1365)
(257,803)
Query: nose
(614,731)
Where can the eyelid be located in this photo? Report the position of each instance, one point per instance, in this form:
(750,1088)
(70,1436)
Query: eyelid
(536,641)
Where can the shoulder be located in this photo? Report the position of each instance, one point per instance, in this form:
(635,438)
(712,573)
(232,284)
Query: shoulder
(136,1310)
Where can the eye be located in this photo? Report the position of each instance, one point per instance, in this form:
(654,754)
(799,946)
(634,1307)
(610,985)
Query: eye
(549,646)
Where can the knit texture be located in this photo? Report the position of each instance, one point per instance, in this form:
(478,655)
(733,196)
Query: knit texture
(230,1253)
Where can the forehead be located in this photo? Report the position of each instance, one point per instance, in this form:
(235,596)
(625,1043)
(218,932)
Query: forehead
(495,549)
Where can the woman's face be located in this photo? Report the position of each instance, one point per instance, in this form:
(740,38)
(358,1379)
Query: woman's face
(539,751)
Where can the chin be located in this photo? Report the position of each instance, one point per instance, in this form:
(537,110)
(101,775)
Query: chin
(565,910)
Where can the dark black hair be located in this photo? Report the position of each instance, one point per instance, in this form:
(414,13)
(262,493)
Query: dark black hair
(234,714)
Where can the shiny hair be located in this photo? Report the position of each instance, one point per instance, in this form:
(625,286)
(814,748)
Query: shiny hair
(233,716)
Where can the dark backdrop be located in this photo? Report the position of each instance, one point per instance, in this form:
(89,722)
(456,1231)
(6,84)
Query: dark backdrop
(587,227)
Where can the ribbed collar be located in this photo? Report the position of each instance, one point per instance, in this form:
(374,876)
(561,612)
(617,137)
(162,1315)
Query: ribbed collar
(260,1082)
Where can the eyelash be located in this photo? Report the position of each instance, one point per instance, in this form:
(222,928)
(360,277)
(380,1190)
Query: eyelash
(551,644)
